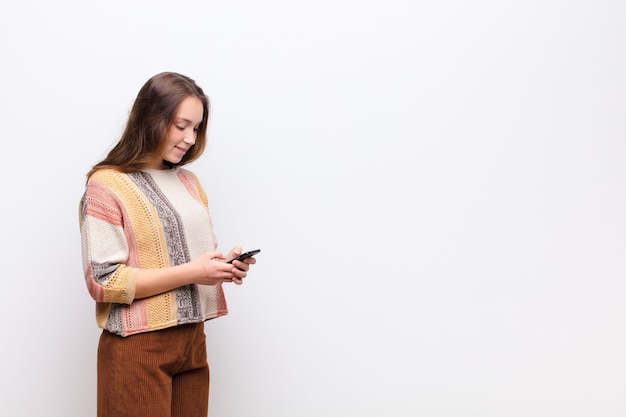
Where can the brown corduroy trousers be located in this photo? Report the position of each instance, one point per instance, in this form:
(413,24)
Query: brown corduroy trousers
(162,373)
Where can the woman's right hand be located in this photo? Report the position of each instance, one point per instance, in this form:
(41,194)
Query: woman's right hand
(214,268)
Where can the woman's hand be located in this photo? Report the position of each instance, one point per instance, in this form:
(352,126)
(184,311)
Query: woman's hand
(239,269)
(214,269)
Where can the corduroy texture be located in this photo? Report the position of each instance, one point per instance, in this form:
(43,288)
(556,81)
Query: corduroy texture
(154,374)
(148,219)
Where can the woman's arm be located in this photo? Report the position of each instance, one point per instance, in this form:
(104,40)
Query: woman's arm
(208,269)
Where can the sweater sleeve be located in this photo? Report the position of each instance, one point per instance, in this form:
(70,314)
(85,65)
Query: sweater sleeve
(105,249)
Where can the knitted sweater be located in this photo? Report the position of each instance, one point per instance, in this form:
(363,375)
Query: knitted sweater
(147,219)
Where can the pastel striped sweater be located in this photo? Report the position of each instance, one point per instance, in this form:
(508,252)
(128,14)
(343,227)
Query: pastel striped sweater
(147,219)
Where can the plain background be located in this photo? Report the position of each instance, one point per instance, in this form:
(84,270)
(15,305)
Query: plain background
(437,187)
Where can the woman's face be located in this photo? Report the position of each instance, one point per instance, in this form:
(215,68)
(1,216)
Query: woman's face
(181,134)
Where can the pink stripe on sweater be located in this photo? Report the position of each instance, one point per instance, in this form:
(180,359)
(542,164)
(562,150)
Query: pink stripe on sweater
(104,205)
(135,318)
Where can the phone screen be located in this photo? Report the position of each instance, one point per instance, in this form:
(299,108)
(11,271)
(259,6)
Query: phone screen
(245,255)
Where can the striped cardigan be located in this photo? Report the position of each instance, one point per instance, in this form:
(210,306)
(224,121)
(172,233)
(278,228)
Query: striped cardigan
(146,219)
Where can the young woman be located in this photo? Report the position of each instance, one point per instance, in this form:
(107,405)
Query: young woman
(150,259)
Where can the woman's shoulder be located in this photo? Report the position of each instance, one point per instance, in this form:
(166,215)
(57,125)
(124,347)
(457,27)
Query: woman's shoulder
(186,171)
(110,178)
(105,174)
(189,175)
(191,179)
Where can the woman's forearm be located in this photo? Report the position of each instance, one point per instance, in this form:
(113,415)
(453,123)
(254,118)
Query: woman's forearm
(159,280)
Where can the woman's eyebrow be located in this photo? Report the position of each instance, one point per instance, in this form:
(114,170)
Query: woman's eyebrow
(182,119)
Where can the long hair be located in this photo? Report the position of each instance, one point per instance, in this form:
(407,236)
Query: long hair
(150,117)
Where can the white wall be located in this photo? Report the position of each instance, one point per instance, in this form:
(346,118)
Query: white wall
(438,188)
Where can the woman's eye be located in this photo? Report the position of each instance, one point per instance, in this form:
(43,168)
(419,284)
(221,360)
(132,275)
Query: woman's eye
(180,127)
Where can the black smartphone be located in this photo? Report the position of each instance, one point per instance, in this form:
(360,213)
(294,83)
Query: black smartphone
(245,255)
